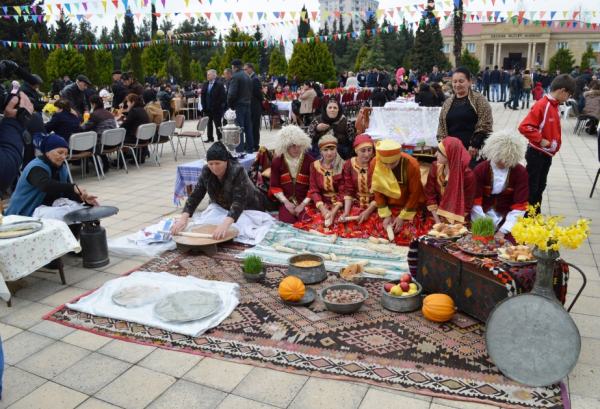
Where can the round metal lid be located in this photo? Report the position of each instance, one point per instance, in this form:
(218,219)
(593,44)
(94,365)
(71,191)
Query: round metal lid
(90,214)
(532,340)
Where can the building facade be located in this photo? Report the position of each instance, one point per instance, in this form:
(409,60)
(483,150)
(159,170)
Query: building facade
(528,46)
(356,7)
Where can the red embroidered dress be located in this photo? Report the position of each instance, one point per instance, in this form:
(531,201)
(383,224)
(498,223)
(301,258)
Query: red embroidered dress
(294,187)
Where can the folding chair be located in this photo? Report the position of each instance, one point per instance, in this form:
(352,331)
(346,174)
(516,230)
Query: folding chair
(143,138)
(112,140)
(598,172)
(166,130)
(85,145)
(166,115)
(197,134)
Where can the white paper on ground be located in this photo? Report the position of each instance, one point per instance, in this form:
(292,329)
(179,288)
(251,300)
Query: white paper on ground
(252,224)
(100,301)
(147,242)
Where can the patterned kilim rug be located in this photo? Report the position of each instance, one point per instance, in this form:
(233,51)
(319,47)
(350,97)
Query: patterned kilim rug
(376,346)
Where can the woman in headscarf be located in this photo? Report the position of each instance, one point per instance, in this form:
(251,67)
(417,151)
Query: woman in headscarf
(398,193)
(332,119)
(46,179)
(450,187)
(227,185)
(290,173)
(325,191)
(502,183)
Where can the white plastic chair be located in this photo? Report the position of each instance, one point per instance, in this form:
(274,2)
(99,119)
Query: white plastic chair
(197,134)
(112,140)
(166,130)
(85,145)
(143,138)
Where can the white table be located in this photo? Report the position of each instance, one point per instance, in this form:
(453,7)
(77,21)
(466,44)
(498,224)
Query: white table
(284,106)
(21,256)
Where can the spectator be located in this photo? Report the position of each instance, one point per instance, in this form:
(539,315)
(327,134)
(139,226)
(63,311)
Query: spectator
(495,85)
(306,97)
(436,88)
(131,84)
(378,98)
(134,116)
(213,99)
(352,80)
(239,96)
(362,79)
(32,90)
(332,119)
(153,107)
(504,81)
(100,120)
(255,104)
(164,97)
(373,78)
(486,81)
(436,75)
(592,107)
(538,91)
(118,89)
(76,95)
(526,93)
(227,75)
(392,91)
(516,86)
(65,121)
(426,97)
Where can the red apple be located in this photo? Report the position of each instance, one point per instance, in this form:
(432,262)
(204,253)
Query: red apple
(387,287)
(404,285)
(406,278)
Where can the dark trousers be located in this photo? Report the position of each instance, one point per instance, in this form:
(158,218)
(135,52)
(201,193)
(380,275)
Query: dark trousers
(525,97)
(538,166)
(215,119)
(255,114)
(515,96)
(503,92)
(243,119)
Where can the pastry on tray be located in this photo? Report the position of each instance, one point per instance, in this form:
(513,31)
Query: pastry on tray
(445,231)
(516,254)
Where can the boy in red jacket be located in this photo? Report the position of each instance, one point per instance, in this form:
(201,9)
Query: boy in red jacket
(538,91)
(541,127)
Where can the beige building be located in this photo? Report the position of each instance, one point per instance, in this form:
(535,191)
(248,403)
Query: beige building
(529,46)
(356,7)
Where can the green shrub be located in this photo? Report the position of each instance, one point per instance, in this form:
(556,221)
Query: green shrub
(253,265)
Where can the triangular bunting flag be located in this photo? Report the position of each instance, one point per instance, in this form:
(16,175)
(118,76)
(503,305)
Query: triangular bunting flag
(228,15)
(239,15)
(17,9)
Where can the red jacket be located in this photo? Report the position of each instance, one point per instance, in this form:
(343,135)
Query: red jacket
(543,122)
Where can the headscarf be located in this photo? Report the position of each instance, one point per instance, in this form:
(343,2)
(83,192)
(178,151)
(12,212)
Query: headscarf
(218,151)
(384,181)
(361,141)
(53,141)
(330,140)
(325,118)
(452,204)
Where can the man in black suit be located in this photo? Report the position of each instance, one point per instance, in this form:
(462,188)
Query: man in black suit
(213,103)
(239,95)
(255,103)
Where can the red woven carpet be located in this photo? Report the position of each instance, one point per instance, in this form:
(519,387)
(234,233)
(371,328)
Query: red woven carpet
(376,346)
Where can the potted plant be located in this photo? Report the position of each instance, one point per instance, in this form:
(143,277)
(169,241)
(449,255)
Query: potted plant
(253,268)
(483,229)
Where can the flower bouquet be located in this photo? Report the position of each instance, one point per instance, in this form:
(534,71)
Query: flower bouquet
(49,108)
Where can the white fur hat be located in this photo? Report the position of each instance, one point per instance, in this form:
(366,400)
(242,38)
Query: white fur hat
(292,135)
(508,147)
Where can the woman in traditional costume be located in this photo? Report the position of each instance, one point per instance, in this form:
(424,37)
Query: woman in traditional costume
(450,187)
(502,187)
(227,185)
(358,198)
(290,173)
(398,193)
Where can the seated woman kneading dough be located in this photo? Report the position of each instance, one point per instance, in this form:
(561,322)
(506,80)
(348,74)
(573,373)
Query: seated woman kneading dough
(227,185)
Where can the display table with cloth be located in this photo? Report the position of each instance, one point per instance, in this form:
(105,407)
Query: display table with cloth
(21,256)
(476,284)
(188,174)
(406,123)
(284,106)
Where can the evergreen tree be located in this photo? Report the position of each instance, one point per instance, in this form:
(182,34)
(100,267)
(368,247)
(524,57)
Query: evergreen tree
(154,57)
(361,58)
(14,30)
(186,73)
(352,49)
(457,29)
(277,63)
(470,61)
(311,61)
(325,30)
(135,53)
(427,51)
(393,46)
(63,62)
(263,60)
(154,24)
(116,38)
(339,47)
(196,71)
(104,68)
(37,60)
(588,56)
(104,36)
(65,30)
(244,52)
(563,60)
(216,63)
(406,39)
(376,55)
(304,25)
(85,35)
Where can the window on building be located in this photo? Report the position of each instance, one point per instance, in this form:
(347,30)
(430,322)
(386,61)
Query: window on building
(562,44)
(491,59)
(446,48)
(471,47)
(595,46)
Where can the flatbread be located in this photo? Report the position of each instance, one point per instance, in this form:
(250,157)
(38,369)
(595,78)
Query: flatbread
(136,295)
(186,306)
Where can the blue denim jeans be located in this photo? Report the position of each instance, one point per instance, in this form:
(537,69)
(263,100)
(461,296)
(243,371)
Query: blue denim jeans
(243,119)
(495,88)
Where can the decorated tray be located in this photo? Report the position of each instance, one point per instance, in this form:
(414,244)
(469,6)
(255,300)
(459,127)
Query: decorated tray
(516,255)
(444,231)
(19,229)
(184,306)
(477,248)
(309,297)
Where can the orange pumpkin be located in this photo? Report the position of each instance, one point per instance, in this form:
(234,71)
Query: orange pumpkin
(292,289)
(438,307)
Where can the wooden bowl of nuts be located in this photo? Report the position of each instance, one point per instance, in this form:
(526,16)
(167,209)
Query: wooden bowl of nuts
(344,298)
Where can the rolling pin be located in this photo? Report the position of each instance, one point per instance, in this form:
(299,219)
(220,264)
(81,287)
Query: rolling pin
(390,232)
(195,235)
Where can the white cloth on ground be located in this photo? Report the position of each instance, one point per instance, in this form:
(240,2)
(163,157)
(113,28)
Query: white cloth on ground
(252,225)
(60,207)
(152,241)
(100,302)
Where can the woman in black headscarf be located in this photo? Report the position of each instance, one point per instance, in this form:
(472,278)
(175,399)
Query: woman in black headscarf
(227,185)
(332,120)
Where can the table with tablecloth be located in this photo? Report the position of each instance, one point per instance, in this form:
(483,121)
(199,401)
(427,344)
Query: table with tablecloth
(405,122)
(21,256)
(188,173)
(284,106)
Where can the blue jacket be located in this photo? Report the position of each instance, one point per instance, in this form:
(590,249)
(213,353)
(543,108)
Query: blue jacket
(11,151)
(64,124)
(27,197)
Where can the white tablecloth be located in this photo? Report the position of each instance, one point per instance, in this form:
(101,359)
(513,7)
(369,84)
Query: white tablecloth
(405,123)
(21,256)
(284,106)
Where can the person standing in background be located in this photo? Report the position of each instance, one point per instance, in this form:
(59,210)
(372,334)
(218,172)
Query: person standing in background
(239,94)
(118,89)
(255,104)
(495,85)
(212,98)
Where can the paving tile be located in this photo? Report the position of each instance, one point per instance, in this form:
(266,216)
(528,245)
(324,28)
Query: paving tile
(237,402)
(126,351)
(136,388)
(403,393)
(378,399)
(588,325)
(23,345)
(95,281)
(584,381)
(326,393)
(218,374)
(579,402)
(62,297)
(587,305)
(27,316)
(7,331)
(87,340)
(92,373)
(185,395)
(53,359)
(172,363)
(40,289)
(459,404)
(51,396)
(51,329)
(93,403)
(258,385)
(18,383)
(590,351)
(16,304)
(123,267)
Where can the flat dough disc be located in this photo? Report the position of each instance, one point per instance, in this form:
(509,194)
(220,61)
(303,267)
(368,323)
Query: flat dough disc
(136,295)
(186,306)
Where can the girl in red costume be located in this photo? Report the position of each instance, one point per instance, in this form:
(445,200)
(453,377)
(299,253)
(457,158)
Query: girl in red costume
(358,198)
